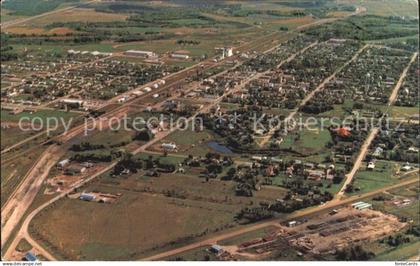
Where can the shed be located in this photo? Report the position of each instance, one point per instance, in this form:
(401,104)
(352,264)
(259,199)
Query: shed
(63,163)
(216,249)
(291,223)
(87,197)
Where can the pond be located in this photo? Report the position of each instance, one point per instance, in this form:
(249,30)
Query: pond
(218,147)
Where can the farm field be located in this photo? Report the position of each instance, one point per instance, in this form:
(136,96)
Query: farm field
(41,116)
(387,7)
(131,236)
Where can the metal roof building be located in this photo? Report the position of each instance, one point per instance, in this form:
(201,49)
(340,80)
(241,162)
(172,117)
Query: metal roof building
(87,196)
(29,256)
(361,205)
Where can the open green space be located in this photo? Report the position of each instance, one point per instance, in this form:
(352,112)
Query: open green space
(383,175)
(237,240)
(41,116)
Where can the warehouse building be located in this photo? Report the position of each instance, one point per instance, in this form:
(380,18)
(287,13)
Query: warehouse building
(138,53)
(361,205)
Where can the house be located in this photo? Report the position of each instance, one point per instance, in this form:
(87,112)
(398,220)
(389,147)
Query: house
(74,170)
(413,149)
(292,224)
(29,256)
(169,146)
(406,168)
(371,166)
(378,152)
(315,174)
(343,132)
(63,163)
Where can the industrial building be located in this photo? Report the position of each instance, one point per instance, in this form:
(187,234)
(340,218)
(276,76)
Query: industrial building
(138,53)
(169,146)
(29,256)
(361,205)
(180,56)
(87,197)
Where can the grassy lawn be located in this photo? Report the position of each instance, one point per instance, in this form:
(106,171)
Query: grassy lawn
(38,116)
(23,246)
(401,112)
(13,135)
(237,240)
(197,254)
(34,7)
(191,142)
(400,253)
(383,175)
(307,141)
(387,7)
(110,138)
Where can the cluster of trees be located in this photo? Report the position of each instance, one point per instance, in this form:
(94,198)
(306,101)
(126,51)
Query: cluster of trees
(86,146)
(289,204)
(144,135)
(127,163)
(151,163)
(397,240)
(132,164)
(256,214)
(93,157)
(397,143)
(414,230)
(367,27)
(354,253)
(188,42)
(6,50)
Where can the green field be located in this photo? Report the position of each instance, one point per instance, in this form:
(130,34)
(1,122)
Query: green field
(34,7)
(237,240)
(383,175)
(134,224)
(307,142)
(37,117)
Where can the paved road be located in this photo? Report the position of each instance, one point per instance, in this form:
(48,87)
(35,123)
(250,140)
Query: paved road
(295,215)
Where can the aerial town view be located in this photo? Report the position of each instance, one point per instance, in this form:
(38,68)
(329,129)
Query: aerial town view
(210,130)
